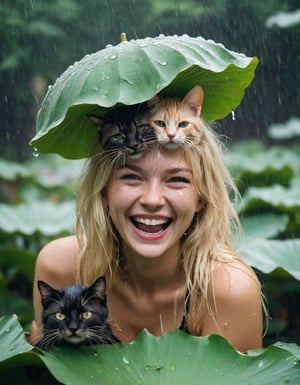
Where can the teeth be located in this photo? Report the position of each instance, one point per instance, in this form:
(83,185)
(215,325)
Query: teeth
(151,222)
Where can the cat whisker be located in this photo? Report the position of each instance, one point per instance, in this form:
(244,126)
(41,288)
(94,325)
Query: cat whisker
(51,338)
(99,335)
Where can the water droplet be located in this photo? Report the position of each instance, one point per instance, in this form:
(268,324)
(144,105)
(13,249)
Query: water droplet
(155,43)
(153,367)
(95,354)
(260,364)
(233,114)
(163,62)
(35,152)
(113,56)
(143,44)
(109,46)
(126,360)
(7,330)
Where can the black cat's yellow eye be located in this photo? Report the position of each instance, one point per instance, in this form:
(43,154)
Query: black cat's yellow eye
(183,124)
(86,315)
(160,123)
(60,316)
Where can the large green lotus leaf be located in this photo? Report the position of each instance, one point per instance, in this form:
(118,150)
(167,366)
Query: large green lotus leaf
(276,196)
(275,158)
(264,166)
(12,170)
(12,338)
(15,353)
(284,19)
(133,72)
(291,347)
(288,130)
(263,225)
(174,358)
(52,171)
(270,255)
(44,217)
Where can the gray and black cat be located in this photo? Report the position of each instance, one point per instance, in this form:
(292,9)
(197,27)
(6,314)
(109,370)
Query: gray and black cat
(121,132)
(74,315)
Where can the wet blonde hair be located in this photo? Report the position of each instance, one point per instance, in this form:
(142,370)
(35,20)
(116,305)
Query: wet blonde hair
(209,242)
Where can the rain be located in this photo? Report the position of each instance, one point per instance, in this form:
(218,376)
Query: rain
(40,39)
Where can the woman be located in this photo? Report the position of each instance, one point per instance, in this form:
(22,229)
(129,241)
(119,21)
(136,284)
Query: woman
(159,228)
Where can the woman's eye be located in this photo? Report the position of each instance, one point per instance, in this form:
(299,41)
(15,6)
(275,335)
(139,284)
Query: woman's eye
(183,124)
(179,179)
(160,123)
(60,316)
(86,315)
(130,177)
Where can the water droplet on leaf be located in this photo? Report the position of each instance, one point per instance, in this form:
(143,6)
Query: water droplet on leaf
(35,152)
(126,360)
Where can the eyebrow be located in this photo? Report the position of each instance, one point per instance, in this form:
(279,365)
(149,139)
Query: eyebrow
(173,170)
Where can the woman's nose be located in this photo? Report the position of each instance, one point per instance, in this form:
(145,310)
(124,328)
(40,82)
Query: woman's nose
(152,195)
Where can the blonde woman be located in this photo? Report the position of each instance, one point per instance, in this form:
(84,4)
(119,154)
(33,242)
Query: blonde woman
(159,228)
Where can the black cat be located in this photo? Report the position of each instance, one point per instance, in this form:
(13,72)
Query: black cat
(120,131)
(74,315)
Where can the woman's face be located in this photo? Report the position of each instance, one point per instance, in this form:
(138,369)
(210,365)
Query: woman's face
(151,201)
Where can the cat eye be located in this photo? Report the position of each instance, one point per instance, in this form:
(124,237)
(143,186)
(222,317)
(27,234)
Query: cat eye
(86,315)
(183,124)
(60,316)
(160,123)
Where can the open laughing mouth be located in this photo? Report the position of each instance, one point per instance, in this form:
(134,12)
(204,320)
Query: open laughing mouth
(151,226)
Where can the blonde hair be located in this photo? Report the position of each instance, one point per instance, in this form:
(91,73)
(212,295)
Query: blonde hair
(209,241)
(99,246)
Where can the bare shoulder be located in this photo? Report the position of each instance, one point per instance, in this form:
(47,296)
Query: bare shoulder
(237,306)
(56,262)
(235,280)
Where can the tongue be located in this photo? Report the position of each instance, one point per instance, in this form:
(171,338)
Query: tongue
(149,229)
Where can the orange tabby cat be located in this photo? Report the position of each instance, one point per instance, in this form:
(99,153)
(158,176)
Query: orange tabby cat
(176,122)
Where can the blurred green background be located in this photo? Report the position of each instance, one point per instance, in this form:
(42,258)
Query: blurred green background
(39,39)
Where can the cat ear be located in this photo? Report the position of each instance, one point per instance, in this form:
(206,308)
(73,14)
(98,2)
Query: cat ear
(97,121)
(194,99)
(98,287)
(46,291)
(153,102)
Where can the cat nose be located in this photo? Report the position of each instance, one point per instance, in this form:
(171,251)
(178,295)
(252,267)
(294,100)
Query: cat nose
(171,136)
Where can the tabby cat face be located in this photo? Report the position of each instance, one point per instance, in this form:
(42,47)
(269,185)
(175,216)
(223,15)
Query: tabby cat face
(176,122)
(123,136)
(74,315)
